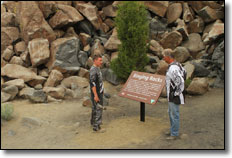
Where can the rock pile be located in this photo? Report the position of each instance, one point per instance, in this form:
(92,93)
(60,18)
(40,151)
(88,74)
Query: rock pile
(47,46)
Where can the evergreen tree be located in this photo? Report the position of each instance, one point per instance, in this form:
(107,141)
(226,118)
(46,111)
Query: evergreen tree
(133,31)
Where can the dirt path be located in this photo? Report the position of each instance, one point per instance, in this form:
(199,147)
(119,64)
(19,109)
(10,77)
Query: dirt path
(66,125)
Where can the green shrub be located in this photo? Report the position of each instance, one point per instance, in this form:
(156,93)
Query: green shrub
(187,82)
(6,111)
(133,32)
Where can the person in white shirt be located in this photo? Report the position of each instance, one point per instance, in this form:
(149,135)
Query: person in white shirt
(175,77)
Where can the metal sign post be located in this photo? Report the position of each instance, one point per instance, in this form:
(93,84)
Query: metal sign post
(142,111)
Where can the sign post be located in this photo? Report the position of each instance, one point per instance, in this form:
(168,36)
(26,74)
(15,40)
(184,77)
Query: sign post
(143,87)
(142,111)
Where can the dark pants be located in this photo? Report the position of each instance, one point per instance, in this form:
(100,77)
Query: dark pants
(96,117)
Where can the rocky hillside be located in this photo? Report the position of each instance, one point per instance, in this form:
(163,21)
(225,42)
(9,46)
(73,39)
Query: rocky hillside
(47,46)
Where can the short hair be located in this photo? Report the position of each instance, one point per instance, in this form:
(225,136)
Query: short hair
(96,56)
(168,52)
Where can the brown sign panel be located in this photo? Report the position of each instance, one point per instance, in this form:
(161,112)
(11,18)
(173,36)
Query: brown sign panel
(143,87)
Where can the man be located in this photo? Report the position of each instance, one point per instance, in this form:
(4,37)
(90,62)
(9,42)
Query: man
(97,90)
(175,77)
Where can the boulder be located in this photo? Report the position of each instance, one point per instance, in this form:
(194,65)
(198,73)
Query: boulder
(209,15)
(85,39)
(187,14)
(22,73)
(38,96)
(82,58)
(162,67)
(16,60)
(156,48)
(51,99)
(20,47)
(8,19)
(198,86)
(54,79)
(196,26)
(76,80)
(219,53)
(39,51)
(196,5)
(47,7)
(182,28)
(64,53)
(109,11)
(109,76)
(38,87)
(55,92)
(65,15)
(71,33)
(171,40)
(105,28)
(71,12)
(19,83)
(189,69)
(181,54)
(83,73)
(89,62)
(216,32)
(101,4)
(8,36)
(153,59)
(5,97)
(113,42)
(97,48)
(157,7)
(8,53)
(44,73)
(194,44)
(174,12)
(12,90)
(200,70)
(149,69)
(90,12)
(32,22)
(59,33)
(26,92)
(34,82)
(109,22)
(86,27)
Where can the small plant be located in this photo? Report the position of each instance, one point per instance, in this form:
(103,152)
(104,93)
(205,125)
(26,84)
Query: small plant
(6,111)
(187,83)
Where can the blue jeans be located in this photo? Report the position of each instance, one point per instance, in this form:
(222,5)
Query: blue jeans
(174,116)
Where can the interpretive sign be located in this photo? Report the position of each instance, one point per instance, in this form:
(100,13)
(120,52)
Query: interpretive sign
(143,87)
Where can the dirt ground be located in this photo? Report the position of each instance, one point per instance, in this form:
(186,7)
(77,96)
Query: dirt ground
(66,125)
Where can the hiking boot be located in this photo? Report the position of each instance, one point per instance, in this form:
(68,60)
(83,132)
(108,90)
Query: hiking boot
(168,133)
(172,138)
(102,130)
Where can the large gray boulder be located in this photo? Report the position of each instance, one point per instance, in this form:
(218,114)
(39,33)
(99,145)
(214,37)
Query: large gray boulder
(64,54)
(200,70)
(109,76)
(38,96)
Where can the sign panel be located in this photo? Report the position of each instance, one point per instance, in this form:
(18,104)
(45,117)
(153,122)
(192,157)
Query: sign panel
(143,87)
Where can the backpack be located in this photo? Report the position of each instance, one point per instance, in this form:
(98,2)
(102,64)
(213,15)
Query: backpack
(172,98)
